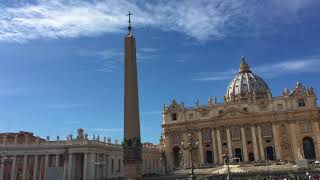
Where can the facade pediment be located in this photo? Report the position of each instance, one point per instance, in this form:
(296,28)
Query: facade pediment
(233,112)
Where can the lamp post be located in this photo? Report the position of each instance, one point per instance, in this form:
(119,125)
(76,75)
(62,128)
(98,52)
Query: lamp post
(190,146)
(308,175)
(100,163)
(4,161)
(226,158)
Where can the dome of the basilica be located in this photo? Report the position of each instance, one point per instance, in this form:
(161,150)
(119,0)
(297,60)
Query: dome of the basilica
(246,85)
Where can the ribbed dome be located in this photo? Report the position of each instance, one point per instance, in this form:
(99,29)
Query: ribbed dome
(246,84)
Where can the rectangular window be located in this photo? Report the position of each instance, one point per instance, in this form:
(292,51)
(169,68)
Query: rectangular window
(235,133)
(306,127)
(206,135)
(174,116)
(263,108)
(245,109)
(191,116)
(301,103)
(204,113)
(112,165)
(267,131)
(176,139)
(119,165)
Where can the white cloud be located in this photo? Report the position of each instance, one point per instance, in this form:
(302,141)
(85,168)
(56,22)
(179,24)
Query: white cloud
(67,105)
(151,112)
(106,129)
(109,60)
(303,65)
(148,50)
(201,19)
(72,122)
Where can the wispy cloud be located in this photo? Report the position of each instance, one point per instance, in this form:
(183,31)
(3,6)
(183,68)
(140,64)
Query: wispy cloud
(7,91)
(303,65)
(72,122)
(151,112)
(67,106)
(198,19)
(214,76)
(110,59)
(106,129)
(148,50)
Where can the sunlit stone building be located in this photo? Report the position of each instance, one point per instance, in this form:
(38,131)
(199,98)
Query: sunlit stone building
(251,125)
(24,156)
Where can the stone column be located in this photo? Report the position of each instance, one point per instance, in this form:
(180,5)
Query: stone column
(185,155)
(13,168)
(98,168)
(109,166)
(261,147)
(92,157)
(85,166)
(316,133)
(46,165)
(70,166)
(214,146)
(254,144)
(293,141)
(2,168)
(104,172)
(57,160)
(200,148)
(229,142)
(219,147)
(65,168)
(25,167)
(35,167)
(276,141)
(244,144)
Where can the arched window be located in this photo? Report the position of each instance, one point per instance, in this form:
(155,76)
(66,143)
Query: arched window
(306,127)
(235,133)
(206,135)
(308,148)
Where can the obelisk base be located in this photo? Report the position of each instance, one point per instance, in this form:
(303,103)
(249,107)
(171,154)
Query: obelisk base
(133,171)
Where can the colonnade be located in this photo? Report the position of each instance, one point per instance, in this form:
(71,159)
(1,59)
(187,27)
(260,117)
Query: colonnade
(94,166)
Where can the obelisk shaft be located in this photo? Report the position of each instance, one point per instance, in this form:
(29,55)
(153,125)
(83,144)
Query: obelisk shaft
(131,101)
(132,140)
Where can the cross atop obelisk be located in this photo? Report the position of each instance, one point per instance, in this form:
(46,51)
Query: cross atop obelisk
(132,142)
(129,27)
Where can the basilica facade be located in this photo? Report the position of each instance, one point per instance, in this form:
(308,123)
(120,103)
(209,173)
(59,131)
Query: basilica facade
(250,125)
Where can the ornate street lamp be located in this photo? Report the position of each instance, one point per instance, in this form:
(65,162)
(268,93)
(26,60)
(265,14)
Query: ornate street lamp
(5,157)
(190,146)
(100,163)
(308,175)
(226,158)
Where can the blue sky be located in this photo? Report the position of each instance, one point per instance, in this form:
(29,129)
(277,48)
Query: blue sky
(61,61)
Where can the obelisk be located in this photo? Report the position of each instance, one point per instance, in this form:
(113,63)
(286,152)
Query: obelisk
(132,142)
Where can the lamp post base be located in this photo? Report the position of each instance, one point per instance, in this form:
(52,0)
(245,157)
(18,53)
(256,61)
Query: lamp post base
(192,177)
